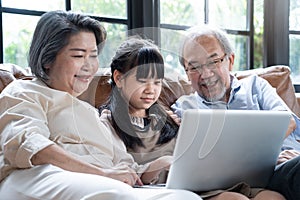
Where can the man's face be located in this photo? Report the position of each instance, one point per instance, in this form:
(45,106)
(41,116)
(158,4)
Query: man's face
(208,67)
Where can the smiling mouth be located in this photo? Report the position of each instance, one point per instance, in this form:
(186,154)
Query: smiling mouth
(83,77)
(209,83)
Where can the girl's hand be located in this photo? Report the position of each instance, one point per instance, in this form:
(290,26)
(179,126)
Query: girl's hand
(155,168)
(174,116)
(165,162)
(287,155)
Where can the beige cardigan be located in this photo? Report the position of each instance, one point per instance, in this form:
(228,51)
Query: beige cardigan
(33,116)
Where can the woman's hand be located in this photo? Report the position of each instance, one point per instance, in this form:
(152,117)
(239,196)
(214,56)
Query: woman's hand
(174,116)
(287,155)
(127,175)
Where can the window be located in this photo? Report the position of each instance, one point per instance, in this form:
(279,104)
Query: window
(109,12)
(34,4)
(242,19)
(294,39)
(106,8)
(19,19)
(263,32)
(17,33)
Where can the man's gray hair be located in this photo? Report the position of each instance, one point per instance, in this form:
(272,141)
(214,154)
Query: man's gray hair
(195,32)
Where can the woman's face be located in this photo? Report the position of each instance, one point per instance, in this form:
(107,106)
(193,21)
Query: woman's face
(140,93)
(75,64)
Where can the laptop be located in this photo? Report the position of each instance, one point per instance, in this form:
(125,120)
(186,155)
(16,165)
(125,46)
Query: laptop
(217,149)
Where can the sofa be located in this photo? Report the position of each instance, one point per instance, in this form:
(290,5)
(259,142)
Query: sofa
(174,84)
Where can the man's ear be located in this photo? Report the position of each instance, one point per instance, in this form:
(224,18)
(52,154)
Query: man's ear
(117,76)
(187,74)
(231,61)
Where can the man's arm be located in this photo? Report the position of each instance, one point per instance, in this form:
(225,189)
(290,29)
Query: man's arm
(292,126)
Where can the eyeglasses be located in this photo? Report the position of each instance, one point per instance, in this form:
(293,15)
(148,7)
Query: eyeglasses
(211,65)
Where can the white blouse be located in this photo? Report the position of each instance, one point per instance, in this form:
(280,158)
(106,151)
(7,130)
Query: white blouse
(34,116)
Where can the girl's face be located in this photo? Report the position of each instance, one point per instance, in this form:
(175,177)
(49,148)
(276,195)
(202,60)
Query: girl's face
(139,93)
(75,65)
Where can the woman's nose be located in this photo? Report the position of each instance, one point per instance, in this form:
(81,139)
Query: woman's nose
(88,65)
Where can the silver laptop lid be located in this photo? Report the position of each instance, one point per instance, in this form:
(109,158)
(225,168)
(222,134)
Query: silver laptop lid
(216,149)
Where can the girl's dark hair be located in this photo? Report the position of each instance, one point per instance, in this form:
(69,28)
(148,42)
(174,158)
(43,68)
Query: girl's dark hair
(145,55)
(53,32)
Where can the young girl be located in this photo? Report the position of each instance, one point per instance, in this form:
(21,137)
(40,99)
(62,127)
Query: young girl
(132,112)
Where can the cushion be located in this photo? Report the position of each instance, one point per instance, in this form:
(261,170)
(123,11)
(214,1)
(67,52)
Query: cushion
(174,85)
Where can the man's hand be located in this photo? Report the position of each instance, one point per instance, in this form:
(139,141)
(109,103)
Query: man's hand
(174,116)
(287,155)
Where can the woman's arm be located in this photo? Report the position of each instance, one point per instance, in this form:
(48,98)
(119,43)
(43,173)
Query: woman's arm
(25,131)
(56,156)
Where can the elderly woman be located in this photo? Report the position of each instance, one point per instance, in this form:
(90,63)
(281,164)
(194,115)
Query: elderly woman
(53,145)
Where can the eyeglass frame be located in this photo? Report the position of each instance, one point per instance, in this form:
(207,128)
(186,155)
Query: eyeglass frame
(211,65)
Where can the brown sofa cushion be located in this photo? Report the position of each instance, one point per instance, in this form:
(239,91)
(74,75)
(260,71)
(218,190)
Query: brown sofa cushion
(174,84)
(5,78)
(98,91)
(10,72)
(279,77)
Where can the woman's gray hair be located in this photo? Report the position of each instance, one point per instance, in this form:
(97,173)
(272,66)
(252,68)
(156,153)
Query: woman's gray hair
(195,32)
(53,32)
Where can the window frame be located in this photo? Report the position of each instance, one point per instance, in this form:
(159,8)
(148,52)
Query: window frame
(10,10)
(146,13)
(248,33)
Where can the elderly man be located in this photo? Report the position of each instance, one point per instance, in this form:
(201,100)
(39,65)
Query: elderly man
(208,58)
